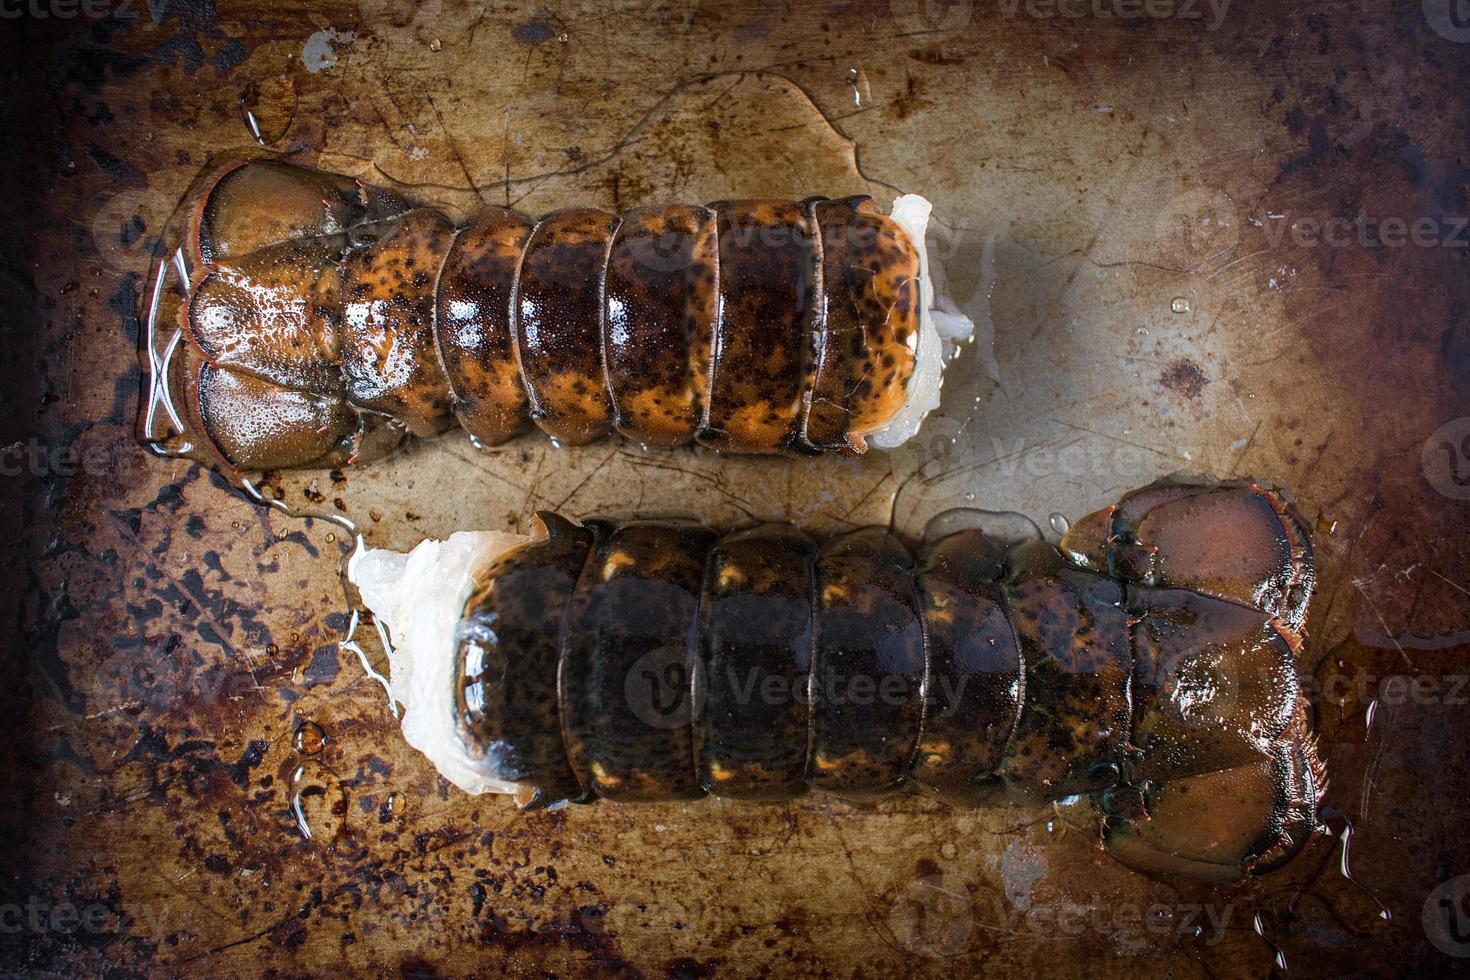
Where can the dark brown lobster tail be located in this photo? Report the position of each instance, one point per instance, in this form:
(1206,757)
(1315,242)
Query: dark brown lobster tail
(1142,679)
(326,319)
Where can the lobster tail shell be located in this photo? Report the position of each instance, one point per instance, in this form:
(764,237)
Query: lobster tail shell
(1164,721)
(326,319)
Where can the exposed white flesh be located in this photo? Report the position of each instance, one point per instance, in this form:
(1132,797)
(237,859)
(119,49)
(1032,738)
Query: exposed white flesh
(941,326)
(419,597)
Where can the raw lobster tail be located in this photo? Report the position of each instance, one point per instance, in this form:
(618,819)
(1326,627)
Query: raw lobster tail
(1142,678)
(325,319)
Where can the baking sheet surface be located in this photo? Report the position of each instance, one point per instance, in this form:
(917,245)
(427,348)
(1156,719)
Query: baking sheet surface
(1231,244)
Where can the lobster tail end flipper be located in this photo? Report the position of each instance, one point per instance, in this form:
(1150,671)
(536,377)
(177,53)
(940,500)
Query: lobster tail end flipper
(1240,541)
(248,423)
(1217,826)
(300,340)
(250,204)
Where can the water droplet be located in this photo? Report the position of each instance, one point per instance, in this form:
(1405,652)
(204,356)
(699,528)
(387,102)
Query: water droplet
(1179,304)
(310,738)
(318,802)
(271,649)
(1345,867)
(268,108)
(1059,523)
(331,538)
(1260,930)
(436,45)
(1005,527)
(857,79)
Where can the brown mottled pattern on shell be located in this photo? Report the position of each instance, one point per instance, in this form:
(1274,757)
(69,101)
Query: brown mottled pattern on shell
(756,645)
(387,328)
(672,323)
(1075,642)
(473,328)
(634,618)
(975,682)
(767,311)
(557,321)
(871,282)
(867,665)
(883,282)
(660,313)
(1165,722)
(508,648)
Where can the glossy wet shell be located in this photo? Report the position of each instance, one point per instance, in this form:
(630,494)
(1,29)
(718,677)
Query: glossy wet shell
(767,285)
(976,681)
(1077,657)
(472,326)
(557,323)
(866,342)
(630,631)
(759,665)
(508,648)
(662,305)
(387,348)
(756,630)
(344,318)
(868,665)
(263,362)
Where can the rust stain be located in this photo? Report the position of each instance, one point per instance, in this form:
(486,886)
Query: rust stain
(167,638)
(1185,378)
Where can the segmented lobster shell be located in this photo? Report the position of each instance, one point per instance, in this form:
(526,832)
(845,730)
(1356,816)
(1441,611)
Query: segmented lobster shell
(660,660)
(327,319)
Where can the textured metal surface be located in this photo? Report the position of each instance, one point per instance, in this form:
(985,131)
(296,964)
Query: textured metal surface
(1154,209)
